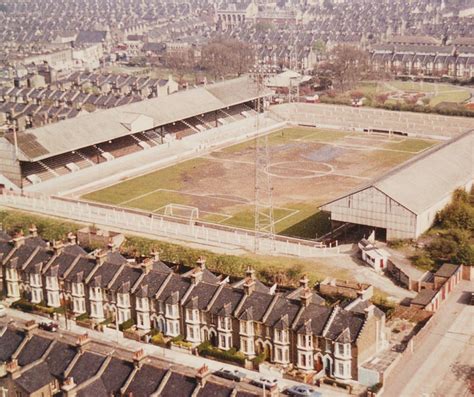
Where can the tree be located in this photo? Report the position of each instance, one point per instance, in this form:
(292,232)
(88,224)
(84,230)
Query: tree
(224,57)
(459,213)
(347,65)
(179,62)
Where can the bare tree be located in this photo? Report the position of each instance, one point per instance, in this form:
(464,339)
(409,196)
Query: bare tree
(227,57)
(180,62)
(347,65)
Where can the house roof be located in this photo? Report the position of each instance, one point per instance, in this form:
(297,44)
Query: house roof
(447,270)
(424,297)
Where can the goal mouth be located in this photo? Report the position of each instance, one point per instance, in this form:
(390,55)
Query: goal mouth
(180,211)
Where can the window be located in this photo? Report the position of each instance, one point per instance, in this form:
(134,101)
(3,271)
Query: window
(142,304)
(245,327)
(35,280)
(224,323)
(340,368)
(78,289)
(51,282)
(171,310)
(123,299)
(36,295)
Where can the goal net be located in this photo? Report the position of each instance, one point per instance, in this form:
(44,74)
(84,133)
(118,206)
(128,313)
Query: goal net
(181,211)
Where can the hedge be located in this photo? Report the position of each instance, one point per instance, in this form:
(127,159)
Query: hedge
(127,324)
(207,350)
(29,307)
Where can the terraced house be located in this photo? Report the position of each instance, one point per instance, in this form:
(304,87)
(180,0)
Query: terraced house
(292,329)
(35,363)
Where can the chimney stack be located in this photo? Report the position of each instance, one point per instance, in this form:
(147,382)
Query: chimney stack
(138,358)
(306,296)
(71,237)
(58,246)
(82,341)
(304,281)
(33,231)
(147,265)
(201,263)
(202,375)
(68,385)
(13,368)
(156,255)
(19,239)
(100,257)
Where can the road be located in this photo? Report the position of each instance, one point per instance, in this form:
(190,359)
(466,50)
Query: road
(175,357)
(441,362)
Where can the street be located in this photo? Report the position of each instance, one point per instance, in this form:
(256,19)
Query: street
(442,361)
(110,336)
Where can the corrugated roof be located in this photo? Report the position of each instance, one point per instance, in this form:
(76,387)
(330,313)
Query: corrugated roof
(424,180)
(101,126)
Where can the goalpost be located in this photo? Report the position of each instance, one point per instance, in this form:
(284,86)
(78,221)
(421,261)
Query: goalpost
(181,211)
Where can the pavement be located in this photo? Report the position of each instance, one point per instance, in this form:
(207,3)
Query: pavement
(174,357)
(443,361)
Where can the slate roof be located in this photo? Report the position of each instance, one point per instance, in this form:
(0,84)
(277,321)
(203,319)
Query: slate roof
(179,385)
(175,284)
(9,342)
(204,292)
(283,307)
(227,295)
(83,267)
(146,381)
(214,390)
(343,320)
(35,378)
(112,379)
(259,302)
(33,350)
(86,367)
(106,272)
(128,274)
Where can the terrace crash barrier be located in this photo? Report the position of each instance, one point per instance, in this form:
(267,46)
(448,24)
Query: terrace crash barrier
(164,226)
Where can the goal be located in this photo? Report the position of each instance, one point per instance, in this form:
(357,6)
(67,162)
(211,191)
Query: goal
(181,211)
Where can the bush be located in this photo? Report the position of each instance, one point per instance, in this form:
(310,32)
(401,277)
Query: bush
(423,261)
(82,317)
(29,307)
(127,324)
(232,355)
(23,305)
(158,339)
(259,359)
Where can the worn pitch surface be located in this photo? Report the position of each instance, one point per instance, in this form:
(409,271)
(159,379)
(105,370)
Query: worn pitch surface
(308,166)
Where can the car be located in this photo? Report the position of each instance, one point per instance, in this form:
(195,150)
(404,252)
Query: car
(266,383)
(3,311)
(49,326)
(230,374)
(302,391)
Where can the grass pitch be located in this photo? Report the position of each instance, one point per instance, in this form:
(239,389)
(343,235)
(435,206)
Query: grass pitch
(308,166)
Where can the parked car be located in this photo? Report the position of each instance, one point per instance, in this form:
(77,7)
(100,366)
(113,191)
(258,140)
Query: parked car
(302,391)
(3,311)
(230,374)
(51,326)
(266,383)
